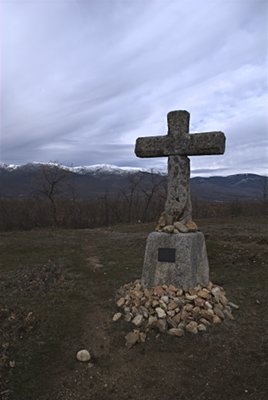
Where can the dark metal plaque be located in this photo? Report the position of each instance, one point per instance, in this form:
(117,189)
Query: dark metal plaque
(166,254)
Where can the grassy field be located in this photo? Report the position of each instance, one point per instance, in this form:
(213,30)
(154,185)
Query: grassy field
(57,290)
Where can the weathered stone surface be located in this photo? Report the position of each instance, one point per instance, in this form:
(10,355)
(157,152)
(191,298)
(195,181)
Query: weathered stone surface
(191,263)
(177,145)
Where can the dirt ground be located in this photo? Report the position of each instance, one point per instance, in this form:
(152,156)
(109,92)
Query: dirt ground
(57,295)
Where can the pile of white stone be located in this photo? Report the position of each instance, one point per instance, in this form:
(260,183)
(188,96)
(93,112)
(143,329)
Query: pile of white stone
(167,309)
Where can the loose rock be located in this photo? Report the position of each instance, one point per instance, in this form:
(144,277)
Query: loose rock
(160,312)
(192,327)
(117,316)
(132,338)
(176,332)
(171,310)
(83,355)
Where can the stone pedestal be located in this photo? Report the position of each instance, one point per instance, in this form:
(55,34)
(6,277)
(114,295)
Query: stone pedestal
(178,259)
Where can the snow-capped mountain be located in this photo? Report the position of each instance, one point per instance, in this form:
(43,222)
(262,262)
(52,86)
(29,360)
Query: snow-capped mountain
(86,169)
(95,180)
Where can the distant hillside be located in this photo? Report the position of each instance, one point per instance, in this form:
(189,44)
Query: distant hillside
(93,181)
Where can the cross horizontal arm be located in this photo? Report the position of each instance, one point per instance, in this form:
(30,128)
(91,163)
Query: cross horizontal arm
(206,143)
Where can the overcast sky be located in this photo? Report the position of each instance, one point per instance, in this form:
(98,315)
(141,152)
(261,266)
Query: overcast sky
(81,80)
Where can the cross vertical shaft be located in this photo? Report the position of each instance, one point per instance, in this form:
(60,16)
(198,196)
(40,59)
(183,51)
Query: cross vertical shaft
(178,205)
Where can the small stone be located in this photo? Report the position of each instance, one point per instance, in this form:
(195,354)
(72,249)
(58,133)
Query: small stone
(228,314)
(12,364)
(202,293)
(179,292)
(184,315)
(223,299)
(192,327)
(171,288)
(162,325)
(190,297)
(205,322)
(117,316)
(172,305)
(83,355)
(209,286)
(137,320)
(132,338)
(128,317)
(162,220)
(120,302)
(180,227)
(193,292)
(218,311)
(207,304)
(171,323)
(168,229)
(201,328)
(176,332)
(196,311)
(147,292)
(155,303)
(137,285)
(199,302)
(177,318)
(151,320)
(165,299)
(188,307)
(191,225)
(158,291)
(162,304)
(207,314)
(137,293)
(135,311)
(233,305)
(215,291)
(160,312)
(171,313)
(216,320)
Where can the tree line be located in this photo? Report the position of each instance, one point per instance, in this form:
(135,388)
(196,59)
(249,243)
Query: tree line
(134,203)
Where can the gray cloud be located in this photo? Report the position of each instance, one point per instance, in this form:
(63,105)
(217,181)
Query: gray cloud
(80,81)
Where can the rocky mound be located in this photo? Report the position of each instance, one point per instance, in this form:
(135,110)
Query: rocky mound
(167,309)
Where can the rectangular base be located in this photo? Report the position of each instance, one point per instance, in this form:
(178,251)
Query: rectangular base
(178,259)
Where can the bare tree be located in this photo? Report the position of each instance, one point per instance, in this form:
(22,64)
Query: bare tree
(149,190)
(130,192)
(51,180)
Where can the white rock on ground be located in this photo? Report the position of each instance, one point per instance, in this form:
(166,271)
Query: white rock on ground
(83,355)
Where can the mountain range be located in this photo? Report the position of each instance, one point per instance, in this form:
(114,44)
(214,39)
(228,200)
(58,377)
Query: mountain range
(22,181)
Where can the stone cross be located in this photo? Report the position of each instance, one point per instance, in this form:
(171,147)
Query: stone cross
(177,145)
